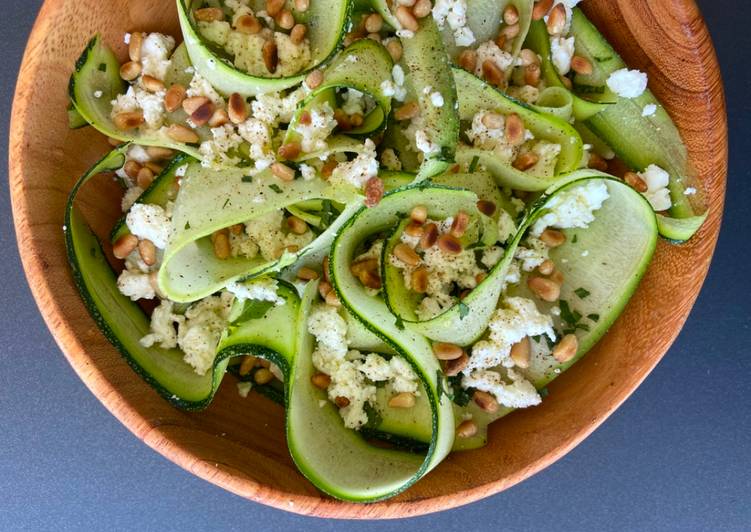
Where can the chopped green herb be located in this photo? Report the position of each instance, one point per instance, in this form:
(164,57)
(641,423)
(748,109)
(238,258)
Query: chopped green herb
(441,380)
(253,310)
(581,293)
(276,188)
(463,311)
(187,225)
(102,67)
(574,239)
(569,316)
(226,202)
(374,417)
(593,317)
(473,164)
(399,323)
(544,392)
(247,179)
(461,396)
(327,213)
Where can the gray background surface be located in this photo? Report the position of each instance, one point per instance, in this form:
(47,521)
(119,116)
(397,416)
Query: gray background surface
(674,457)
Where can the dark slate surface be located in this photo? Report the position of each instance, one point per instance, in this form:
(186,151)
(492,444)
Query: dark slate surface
(674,457)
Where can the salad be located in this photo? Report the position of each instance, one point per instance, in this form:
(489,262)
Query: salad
(401,220)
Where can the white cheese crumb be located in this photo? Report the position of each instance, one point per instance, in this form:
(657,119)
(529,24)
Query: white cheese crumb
(573,207)
(455,13)
(627,83)
(261,289)
(315,133)
(690,191)
(98,94)
(561,52)
(657,193)
(135,285)
(649,110)
(357,171)
(519,394)
(489,51)
(436,98)
(150,222)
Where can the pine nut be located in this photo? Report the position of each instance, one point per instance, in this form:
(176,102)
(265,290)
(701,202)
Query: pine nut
(492,73)
(332,299)
(263,363)
(126,121)
(510,14)
(152,84)
(373,23)
(468,60)
(407,111)
(566,348)
(191,105)
(545,289)
(485,401)
(541,9)
(307,274)
(144,178)
(510,32)
(581,65)
(341,401)
(419,280)
(134,46)
(492,120)
(466,429)
(357,268)
(285,20)
(236,229)
(130,70)
(557,20)
(124,246)
(325,268)
(314,79)
(480,277)
(395,50)
(274,7)
(414,229)
(514,130)
(270,56)
(567,82)
(402,400)
(553,238)
(248,24)
(429,236)
(320,381)
(598,163)
(324,287)
(113,142)
(520,352)
(460,224)
(237,108)
(247,365)
(263,376)
(449,244)
(219,118)
(222,248)
(174,97)
(422,8)
(342,120)
(635,181)
(419,214)
(456,366)
(296,225)
(529,57)
(486,207)
(525,161)
(305,118)
(547,267)
(356,120)
(297,35)
(446,351)
(302,5)
(202,115)
(374,190)
(209,14)
(406,18)
(557,277)
(283,172)
(155,168)
(131,169)
(370,279)
(532,74)
(290,151)
(147,250)
(406,254)
(159,153)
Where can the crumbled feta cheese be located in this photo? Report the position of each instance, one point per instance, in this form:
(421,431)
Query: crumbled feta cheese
(135,285)
(314,134)
(155,53)
(492,256)
(533,253)
(357,171)
(649,110)
(98,94)
(261,289)
(163,321)
(354,102)
(147,221)
(491,138)
(690,191)
(215,152)
(455,13)
(573,207)
(308,172)
(519,394)
(561,52)
(130,197)
(199,334)
(180,171)
(506,226)
(126,38)
(200,86)
(424,144)
(390,161)
(266,233)
(258,135)
(489,51)
(657,193)
(138,153)
(627,83)
(137,98)
(395,87)
(274,108)
(436,99)
(405,34)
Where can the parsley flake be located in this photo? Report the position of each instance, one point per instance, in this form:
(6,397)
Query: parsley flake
(276,188)
(582,293)
(247,179)
(463,310)
(473,164)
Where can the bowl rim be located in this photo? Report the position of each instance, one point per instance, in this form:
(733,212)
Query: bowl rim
(73,346)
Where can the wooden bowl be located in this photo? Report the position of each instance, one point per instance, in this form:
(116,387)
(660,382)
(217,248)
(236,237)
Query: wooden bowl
(239,443)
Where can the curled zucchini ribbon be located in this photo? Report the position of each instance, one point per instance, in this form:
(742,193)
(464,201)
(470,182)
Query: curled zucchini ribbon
(326,21)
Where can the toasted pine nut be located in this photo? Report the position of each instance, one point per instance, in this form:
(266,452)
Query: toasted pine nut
(341,401)
(529,57)
(130,70)
(159,153)
(406,18)
(202,115)
(406,254)
(422,8)
(373,23)
(468,60)
(419,214)
(414,229)
(429,236)
(124,245)
(285,20)
(320,381)
(152,84)
(598,163)
(237,108)
(545,289)
(362,266)
(492,73)
(263,363)
(113,142)
(307,274)
(466,429)
(480,277)
(248,24)
(174,97)
(305,118)
(144,178)
(126,121)
(325,268)
(296,225)
(532,74)
(557,277)
(419,280)
(274,7)
(263,376)
(356,120)
(566,348)
(247,365)
(557,19)
(191,105)
(485,401)
(374,190)
(147,250)
(520,352)
(407,111)
(302,5)
(492,120)
(553,238)
(581,65)
(510,32)
(456,366)
(449,244)
(131,169)
(394,48)
(222,248)
(219,118)
(510,14)
(446,351)
(370,279)
(270,55)
(314,79)
(332,299)
(635,181)
(525,161)
(402,400)
(297,35)
(567,82)
(134,46)
(154,167)
(324,287)
(541,9)
(460,224)
(209,14)
(514,130)
(236,229)
(283,172)
(486,207)
(547,267)
(289,151)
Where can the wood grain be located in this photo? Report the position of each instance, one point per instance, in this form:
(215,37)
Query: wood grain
(239,443)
